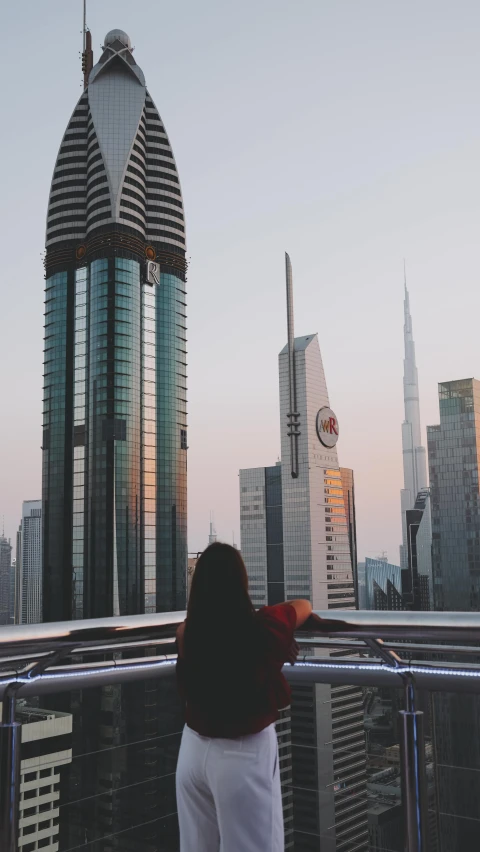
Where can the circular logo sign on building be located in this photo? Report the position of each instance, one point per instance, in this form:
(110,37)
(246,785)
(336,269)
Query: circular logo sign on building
(327,427)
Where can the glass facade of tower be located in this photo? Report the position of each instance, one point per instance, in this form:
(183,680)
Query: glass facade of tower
(126,384)
(454,463)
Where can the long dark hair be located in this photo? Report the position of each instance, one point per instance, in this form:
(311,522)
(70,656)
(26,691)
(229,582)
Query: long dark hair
(221,633)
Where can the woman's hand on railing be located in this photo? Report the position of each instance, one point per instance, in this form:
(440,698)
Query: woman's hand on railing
(325,625)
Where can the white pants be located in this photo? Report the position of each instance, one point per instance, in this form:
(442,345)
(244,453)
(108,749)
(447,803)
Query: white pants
(228,793)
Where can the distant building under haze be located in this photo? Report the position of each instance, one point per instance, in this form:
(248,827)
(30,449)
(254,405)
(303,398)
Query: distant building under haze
(5,580)
(28,566)
(383,585)
(414,455)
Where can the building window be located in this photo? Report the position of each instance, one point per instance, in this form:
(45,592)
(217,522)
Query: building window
(29,812)
(30,794)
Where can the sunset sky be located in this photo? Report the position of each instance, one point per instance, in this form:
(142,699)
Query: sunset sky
(345,132)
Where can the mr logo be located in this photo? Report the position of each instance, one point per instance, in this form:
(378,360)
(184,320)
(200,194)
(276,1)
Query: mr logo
(153,272)
(327,427)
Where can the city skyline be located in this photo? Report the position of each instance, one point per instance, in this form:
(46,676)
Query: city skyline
(322,211)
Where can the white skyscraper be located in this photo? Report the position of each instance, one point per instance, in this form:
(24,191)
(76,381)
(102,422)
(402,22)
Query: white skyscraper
(28,586)
(414,455)
(297,542)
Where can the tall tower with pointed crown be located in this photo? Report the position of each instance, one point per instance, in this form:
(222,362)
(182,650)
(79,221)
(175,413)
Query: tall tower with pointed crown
(414,455)
(114,432)
(114,435)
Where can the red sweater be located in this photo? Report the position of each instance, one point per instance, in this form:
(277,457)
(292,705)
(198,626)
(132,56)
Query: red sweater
(272,693)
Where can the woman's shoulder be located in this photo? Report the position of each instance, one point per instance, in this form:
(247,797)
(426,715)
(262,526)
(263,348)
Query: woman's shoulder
(280,614)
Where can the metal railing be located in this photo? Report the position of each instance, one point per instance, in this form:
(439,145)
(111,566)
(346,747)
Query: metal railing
(44,658)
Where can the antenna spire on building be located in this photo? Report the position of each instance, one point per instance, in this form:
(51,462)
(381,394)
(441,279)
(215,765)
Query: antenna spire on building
(292,415)
(87,52)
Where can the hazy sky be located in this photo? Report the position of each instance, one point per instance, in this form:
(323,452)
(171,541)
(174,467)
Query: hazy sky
(346,132)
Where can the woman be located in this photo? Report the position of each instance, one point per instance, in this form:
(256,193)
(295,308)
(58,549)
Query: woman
(229,674)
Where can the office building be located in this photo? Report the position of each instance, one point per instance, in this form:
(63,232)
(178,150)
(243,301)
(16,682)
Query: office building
(28,584)
(191,565)
(383,585)
(361,586)
(5,579)
(297,539)
(454,453)
(13,580)
(115,433)
(348,487)
(417,581)
(414,456)
(261,533)
(261,539)
(46,748)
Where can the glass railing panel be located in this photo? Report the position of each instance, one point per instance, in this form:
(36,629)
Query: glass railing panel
(110,755)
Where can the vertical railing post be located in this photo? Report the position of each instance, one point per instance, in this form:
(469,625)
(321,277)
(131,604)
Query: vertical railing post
(414,784)
(10,742)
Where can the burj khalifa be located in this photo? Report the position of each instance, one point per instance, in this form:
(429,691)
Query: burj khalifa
(414,455)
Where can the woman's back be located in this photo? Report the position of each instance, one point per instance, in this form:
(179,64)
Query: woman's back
(229,672)
(231,677)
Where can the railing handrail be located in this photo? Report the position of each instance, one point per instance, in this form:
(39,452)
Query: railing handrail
(87,633)
(37,654)
(347,624)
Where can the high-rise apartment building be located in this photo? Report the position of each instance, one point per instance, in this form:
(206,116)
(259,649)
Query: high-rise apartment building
(5,579)
(115,434)
(28,565)
(454,463)
(297,539)
(414,456)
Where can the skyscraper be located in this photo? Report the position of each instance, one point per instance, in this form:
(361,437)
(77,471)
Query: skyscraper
(454,463)
(298,540)
(5,574)
(261,533)
(417,582)
(28,585)
(114,436)
(414,456)
(383,582)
